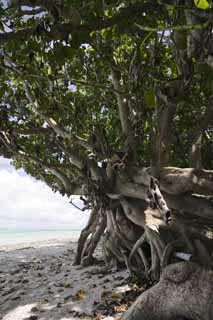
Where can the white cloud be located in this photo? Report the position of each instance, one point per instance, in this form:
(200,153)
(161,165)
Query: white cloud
(28,203)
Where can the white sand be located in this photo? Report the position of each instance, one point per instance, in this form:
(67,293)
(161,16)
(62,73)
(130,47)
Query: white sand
(38,281)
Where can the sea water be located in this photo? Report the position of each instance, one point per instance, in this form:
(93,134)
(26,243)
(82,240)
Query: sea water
(15,236)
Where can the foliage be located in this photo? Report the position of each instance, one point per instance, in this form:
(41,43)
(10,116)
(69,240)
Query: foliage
(202,4)
(64,53)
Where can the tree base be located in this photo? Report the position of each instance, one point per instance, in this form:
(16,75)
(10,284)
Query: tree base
(185,291)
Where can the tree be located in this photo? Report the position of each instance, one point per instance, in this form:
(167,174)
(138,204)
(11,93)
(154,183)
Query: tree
(99,97)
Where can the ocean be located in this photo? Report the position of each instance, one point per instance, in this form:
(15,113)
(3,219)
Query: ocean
(26,235)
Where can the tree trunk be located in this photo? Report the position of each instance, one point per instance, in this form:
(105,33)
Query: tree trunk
(183,292)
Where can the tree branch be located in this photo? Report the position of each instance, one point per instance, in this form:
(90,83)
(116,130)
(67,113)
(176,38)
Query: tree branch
(61,31)
(37,109)
(32,131)
(73,158)
(32,12)
(18,153)
(195,157)
(193,204)
(178,180)
(31,3)
(165,115)
(123,107)
(174,27)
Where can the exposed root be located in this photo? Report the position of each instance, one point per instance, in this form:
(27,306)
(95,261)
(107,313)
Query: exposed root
(90,227)
(134,250)
(169,249)
(89,248)
(183,292)
(146,246)
(156,247)
(204,257)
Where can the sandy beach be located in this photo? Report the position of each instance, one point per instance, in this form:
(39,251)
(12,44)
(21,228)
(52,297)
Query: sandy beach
(38,281)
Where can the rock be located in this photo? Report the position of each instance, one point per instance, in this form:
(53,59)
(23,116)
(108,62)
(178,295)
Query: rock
(59,305)
(50,292)
(15,271)
(34,309)
(8,291)
(33,317)
(67,297)
(58,284)
(25,280)
(16,298)
(57,271)
(18,281)
(105,281)
(45,301)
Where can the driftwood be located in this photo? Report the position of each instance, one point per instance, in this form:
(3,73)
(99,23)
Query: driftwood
(185,291)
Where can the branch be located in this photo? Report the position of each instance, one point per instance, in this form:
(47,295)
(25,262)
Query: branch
(31,3)
(195,156)
(84,83)
(61,31)
(37,109)
(193,204)
(18,153)
(123,107)
(32,131)
(27,13)
(73,158)
(101,86)
(5,140)
(165,115)
(52,123)
(58,174)
(179,180)
(182,27)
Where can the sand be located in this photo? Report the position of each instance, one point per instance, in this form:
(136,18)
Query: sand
(38,281)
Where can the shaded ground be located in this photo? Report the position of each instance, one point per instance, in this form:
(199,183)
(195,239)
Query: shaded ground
(38,281)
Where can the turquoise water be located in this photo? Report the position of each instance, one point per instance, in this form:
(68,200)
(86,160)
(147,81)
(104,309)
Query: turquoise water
(22,236)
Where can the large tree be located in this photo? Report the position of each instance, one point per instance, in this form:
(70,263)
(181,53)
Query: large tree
(97,97)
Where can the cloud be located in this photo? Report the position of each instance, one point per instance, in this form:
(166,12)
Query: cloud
(28,203)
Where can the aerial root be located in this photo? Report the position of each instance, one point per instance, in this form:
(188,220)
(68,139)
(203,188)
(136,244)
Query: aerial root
(156,247)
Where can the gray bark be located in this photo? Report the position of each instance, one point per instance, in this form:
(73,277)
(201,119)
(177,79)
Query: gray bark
(185,291)
(193,204)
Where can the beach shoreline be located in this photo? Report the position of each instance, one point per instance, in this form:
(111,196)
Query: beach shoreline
(37,244)
(38,281)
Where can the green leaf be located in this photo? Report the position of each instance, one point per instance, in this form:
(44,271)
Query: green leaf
(202,4)
(150,98)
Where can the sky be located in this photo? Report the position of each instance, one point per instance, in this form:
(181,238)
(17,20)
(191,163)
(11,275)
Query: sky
(26,203)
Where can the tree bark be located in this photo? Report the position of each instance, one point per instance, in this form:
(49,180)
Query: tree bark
(193,204)
(90,227)
(184,292)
